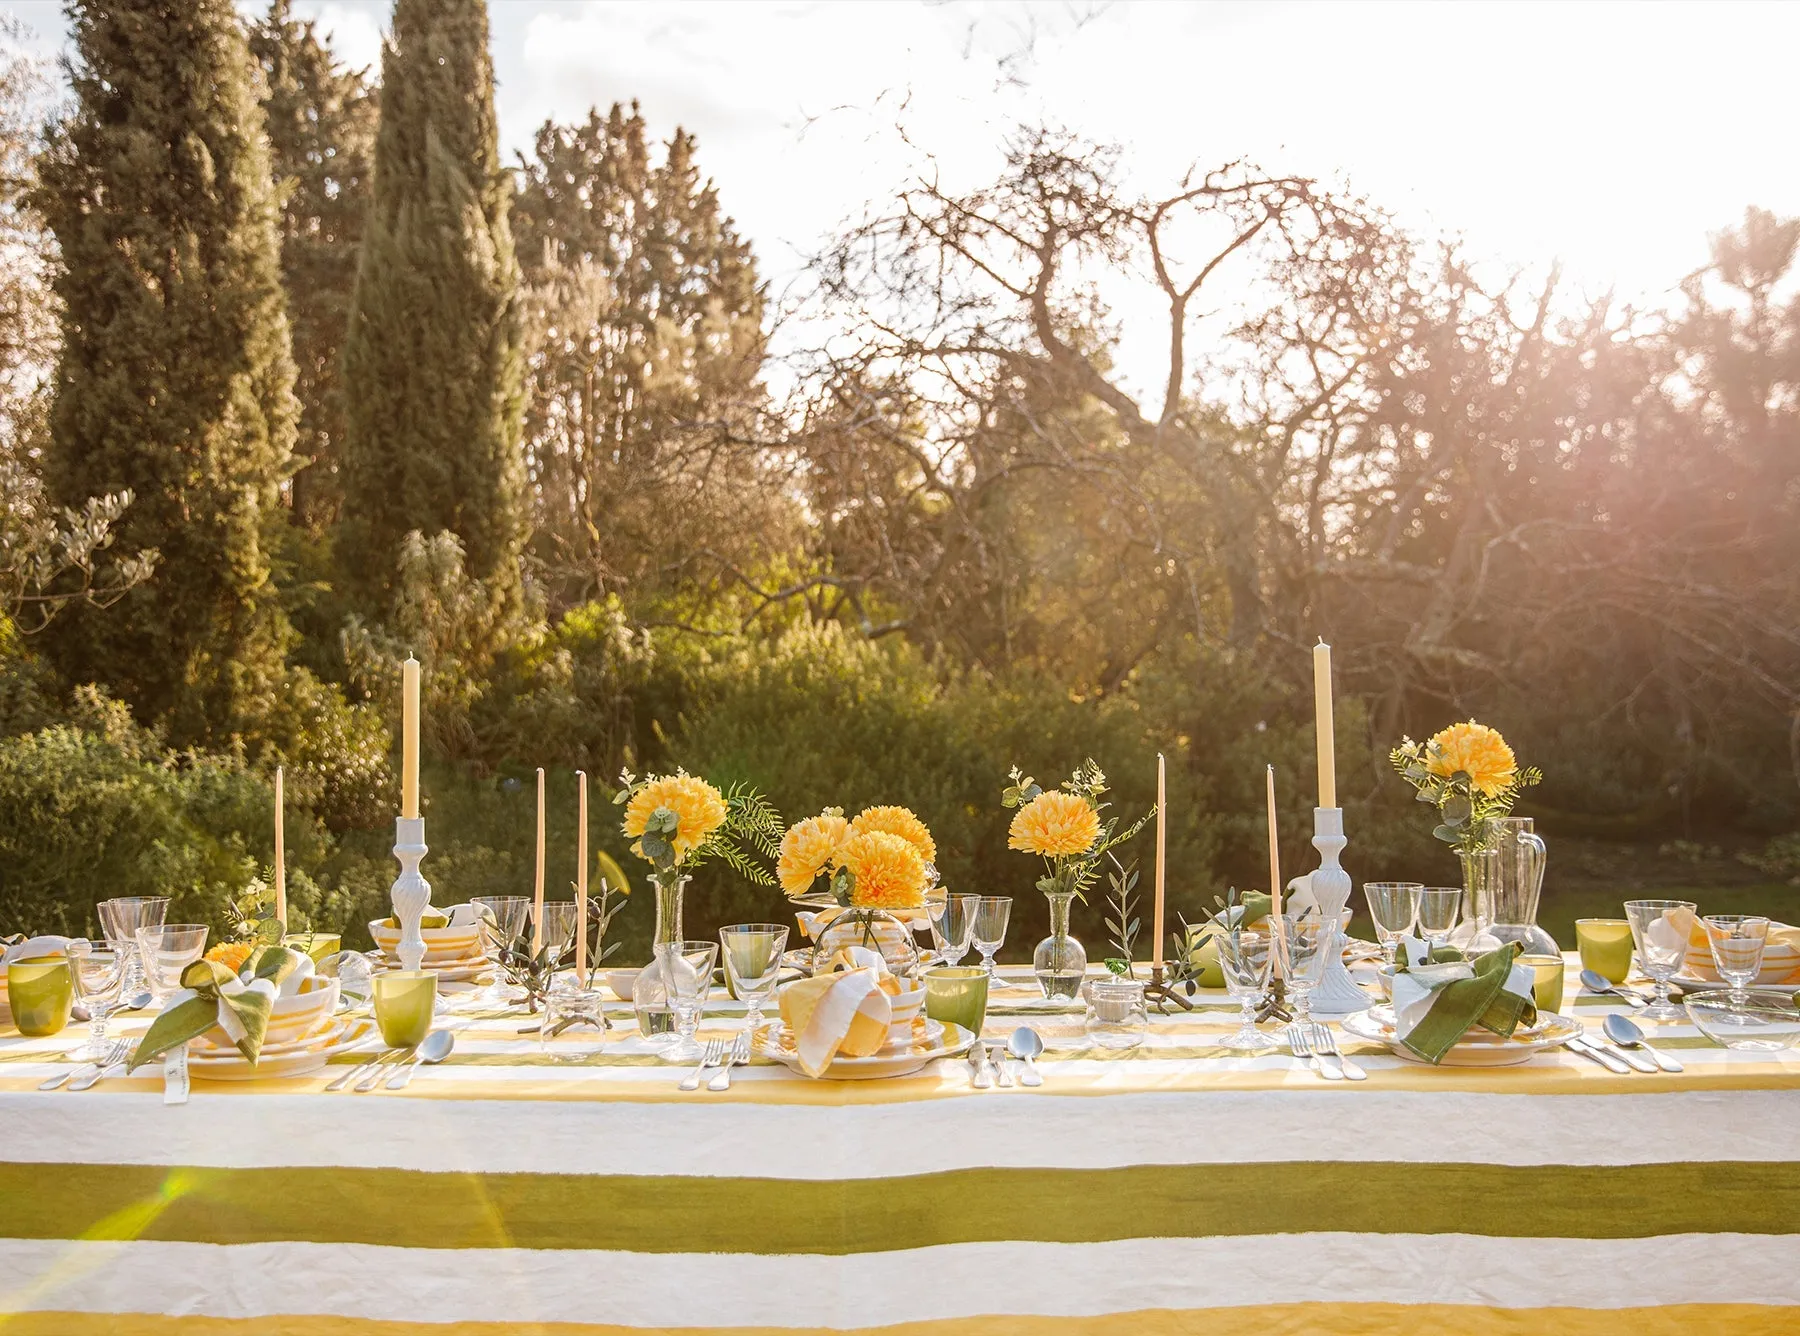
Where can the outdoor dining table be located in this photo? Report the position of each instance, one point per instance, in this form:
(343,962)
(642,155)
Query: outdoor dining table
(1175,1187)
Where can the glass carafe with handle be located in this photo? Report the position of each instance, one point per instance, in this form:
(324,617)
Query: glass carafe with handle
(1515,882)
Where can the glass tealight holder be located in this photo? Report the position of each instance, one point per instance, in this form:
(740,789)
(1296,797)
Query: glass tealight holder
(1117,1016)
(41,992)
(957,994)
(575,1024)
(1546,982)
(404,1003)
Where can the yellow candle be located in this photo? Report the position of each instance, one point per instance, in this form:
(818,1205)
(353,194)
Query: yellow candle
(1162,803)
(1322,713)
(280,856)
(537,885)
(1274,854)
(581,861)
(409,738)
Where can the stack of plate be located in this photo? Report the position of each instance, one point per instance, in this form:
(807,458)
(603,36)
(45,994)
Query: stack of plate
(304,1031)
(1477,1048)
(453,952)
(1780,964)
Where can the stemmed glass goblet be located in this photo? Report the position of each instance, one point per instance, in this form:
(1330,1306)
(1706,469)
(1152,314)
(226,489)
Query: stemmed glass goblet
(1439,909)
(1246,957)
(1394,907)
(120,919)
(501,920)
(752,954)
(1662,944)
(555,930)
(988,929)
(686,969)
(99,976)
(952,921)
(1305,938)
(1737,942)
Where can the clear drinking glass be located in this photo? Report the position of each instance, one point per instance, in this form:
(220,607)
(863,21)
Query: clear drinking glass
(166,951)
(1439,909)
(988,929)
(687,969)
(752,953)
(1394,907)
(1662,947)
(97,975)
(1246,957)
(1305,939)
(1737,942)
(952,920)
(556,930)
(500,921)
(120,919)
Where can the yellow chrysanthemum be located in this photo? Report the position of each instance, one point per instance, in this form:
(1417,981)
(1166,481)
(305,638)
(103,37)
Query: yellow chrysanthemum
(808,849)
(898,821)
(888,870)
(1476,750)
(699,810)
(231,955)
(1055,824)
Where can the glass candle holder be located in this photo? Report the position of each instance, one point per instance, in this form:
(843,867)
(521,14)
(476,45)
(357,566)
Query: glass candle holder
(1117,1017)
(1605,947)
(404,1003)
(957,994)
(41,992)
(575,1024)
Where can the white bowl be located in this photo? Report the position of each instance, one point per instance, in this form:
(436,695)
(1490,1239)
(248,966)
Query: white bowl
(290,1018)
(442,945)
(621,982)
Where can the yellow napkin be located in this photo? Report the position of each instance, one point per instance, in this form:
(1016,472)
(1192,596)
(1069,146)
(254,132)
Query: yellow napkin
(845,1013)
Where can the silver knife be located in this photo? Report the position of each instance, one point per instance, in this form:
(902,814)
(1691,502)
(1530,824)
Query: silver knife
(1586,1048)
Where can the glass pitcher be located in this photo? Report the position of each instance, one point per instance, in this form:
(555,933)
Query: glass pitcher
(1505,892)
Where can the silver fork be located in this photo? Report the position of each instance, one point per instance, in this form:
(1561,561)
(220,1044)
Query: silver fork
(1301,1047)
(1324,1040)
(739,1055)
(116,1052)
(710,1056)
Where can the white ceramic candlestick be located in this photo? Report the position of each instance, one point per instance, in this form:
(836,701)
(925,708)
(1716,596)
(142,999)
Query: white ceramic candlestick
(1337,994)
(411,892)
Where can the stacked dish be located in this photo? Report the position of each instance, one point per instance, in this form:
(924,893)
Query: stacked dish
(304,1031)
(452,949)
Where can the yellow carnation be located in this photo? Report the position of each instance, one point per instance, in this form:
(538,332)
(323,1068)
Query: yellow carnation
(889,872)
(231,955)
(699,810)
(898,821)
(1477,751)
(808,849)
(1055,824)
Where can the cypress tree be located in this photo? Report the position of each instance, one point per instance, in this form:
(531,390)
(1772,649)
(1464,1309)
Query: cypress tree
(433,360)
(175,378)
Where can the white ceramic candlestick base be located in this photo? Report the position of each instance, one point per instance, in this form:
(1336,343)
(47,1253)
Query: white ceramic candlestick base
(1337,994)
(411,892)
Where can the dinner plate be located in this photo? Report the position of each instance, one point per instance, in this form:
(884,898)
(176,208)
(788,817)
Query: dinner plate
(1479,1049)
(896,1060)
(233,1066)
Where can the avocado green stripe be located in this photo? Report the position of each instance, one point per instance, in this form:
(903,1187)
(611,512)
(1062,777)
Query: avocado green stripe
(784,1216)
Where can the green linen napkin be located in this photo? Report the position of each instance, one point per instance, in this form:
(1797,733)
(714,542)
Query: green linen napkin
(1438,1000)
(239,1004)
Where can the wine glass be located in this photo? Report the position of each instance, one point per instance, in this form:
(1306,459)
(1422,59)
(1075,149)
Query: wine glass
(98,976)
(686,969)
(120,919)
(1394,907)
(1305,938)
(1246,957)
(1737,942)
(752,953)
(952,919)
(1657,926)
(988,928)
(167,950)
(554,930)
(501,920)
(1439,909)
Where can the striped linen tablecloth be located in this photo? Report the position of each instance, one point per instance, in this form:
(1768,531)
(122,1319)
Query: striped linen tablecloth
(1176,1188)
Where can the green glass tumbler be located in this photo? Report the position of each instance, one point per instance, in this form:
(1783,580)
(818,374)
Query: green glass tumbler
(1546,982)
(957,994)
(404,1003)
(40,991)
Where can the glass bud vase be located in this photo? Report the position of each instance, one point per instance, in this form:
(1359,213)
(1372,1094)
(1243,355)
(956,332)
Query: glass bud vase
(649,994)
(1479,867)
(1060,960)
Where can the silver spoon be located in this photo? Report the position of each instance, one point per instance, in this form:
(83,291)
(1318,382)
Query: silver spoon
(1595,982)
(1025,1044)
(1626,1033)
(434,1050)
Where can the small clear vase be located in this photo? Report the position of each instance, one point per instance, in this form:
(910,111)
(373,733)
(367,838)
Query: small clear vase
(649,994)
(874,929)
(1060,960)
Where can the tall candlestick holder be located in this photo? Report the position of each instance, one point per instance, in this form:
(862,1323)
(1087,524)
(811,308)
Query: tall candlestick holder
(410,892)
(1336,994)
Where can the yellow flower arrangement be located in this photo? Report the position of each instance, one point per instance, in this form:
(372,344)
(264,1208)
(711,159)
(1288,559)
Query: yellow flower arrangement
(231,955)
(699,810)
(1474,750)
(1055,825)
(808,848)
(898,821)
(886,871)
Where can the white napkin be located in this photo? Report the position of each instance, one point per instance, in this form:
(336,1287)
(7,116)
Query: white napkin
(32,947)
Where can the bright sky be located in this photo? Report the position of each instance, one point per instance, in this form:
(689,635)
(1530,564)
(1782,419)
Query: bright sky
(1613,136)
